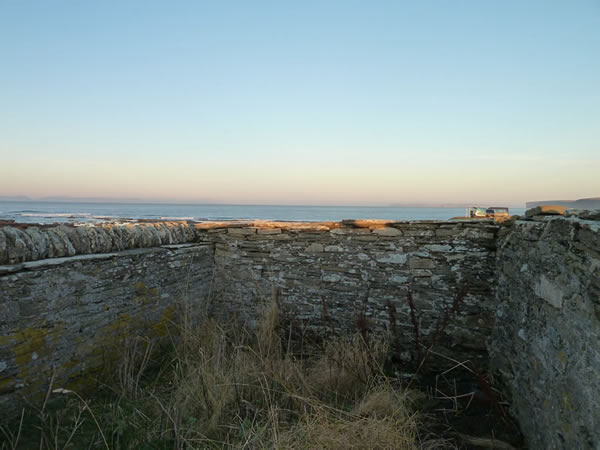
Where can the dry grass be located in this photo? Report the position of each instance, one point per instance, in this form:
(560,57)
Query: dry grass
(227,387)
(243,390)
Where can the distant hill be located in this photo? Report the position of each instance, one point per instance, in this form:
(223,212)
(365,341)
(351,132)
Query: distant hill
(14,198)
(582,203)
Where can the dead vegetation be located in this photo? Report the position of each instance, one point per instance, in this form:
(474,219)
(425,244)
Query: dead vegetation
(228,387)
(223,384)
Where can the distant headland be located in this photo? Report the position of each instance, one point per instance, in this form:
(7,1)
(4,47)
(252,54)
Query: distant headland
(582,203)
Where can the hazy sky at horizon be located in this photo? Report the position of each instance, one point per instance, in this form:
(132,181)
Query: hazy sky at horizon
(328,102)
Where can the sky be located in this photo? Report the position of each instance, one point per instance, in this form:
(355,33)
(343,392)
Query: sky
(326,102)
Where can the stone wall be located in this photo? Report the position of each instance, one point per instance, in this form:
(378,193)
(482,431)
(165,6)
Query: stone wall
(68,318)
(71,296)
(22,242)
(343,277)
(546,341)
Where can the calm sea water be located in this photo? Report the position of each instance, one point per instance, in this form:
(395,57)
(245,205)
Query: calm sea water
(48,212)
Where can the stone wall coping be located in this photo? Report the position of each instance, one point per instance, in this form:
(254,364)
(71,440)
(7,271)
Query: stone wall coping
(181,246)
(331,225)
(587,214)
(30,243)
(48,262)
(19,244)
(558,211)
(592,224)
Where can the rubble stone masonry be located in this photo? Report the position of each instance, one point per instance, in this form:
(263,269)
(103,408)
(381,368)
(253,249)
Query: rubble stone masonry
(519,298)
(546,339)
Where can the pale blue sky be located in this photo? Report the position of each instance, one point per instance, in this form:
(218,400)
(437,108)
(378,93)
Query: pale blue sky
(301,102)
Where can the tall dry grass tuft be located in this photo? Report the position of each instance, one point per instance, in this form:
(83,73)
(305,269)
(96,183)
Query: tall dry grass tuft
(133,364)
(383,419)
(230,386)
(348,366)
(237,387)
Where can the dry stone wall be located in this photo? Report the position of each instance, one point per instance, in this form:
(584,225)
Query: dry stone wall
(22,243)
(69,318)
(546,341)
(71,296)
(343,277)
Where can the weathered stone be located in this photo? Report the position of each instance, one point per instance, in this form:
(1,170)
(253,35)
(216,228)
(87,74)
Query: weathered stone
(416,262)
(332,277)
(315,247)
(400,279)
(387,231)
(546,210)
(342,231)
(447,232)
(549,291)
(421,272)
(419,233)
(583,214)
(39,249)
(439,247)
(268,231)
(3,248)
(545,322)
(391,258)
(16,248)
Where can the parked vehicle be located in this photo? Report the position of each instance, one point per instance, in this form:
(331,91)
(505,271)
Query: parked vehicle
(497,211)
(476,212)
(493,212)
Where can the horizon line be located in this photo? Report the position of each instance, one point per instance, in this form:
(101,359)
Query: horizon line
(209,203)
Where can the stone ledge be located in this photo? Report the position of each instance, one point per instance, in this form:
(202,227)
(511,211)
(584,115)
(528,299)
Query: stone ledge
(49,262)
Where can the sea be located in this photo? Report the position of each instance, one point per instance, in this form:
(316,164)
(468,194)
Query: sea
(92,212)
